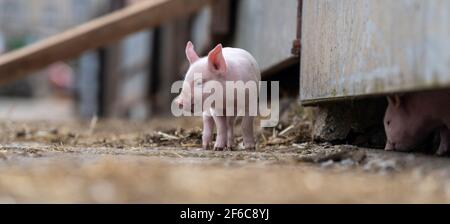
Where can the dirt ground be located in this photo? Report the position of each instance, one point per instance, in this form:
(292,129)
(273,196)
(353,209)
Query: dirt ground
(161,162)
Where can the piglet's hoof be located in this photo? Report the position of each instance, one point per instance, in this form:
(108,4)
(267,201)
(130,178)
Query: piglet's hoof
(441,152)
(207,147)
(229,148)
(218,148)
(250,149)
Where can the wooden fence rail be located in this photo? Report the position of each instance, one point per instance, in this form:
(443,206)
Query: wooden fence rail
(94,34)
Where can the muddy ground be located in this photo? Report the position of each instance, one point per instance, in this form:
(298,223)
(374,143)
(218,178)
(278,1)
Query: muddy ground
(160,161)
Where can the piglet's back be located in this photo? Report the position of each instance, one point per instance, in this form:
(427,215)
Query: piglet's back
(242,61)
(436,103)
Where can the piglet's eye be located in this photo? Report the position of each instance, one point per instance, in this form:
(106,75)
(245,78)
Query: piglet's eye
(388,122)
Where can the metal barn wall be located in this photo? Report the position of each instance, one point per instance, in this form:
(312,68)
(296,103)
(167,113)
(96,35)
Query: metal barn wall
(267,28)
(363,47)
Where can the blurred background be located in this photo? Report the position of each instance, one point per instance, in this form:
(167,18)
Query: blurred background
(131,78)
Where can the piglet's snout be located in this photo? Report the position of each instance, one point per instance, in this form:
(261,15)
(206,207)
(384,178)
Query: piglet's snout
(179,103)
(181,106)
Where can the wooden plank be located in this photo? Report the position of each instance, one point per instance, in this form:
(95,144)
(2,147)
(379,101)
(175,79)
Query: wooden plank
(171,43)
(356,48)
(111,78)
(220,17)
(94,34)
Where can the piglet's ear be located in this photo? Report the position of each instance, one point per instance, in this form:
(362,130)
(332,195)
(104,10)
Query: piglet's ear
(216,61)
(394,100)
(190,53)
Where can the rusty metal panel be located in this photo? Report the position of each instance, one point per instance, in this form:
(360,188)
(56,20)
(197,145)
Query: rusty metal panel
(355,48)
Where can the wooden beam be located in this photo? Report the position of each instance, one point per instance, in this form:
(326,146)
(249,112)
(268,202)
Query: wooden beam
(94,34)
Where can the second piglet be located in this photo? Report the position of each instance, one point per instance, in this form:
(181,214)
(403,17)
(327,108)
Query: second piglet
(222,65)
(411,117)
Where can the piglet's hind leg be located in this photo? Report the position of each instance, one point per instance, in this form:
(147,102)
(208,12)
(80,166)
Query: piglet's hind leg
(445,139)
(247,133)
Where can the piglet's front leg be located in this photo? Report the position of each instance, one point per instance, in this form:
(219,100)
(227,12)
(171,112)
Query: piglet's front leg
(230,133)
(445,140)
(208,128)
(221,138)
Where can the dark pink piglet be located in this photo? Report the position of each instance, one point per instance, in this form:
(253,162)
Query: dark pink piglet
(411,117)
